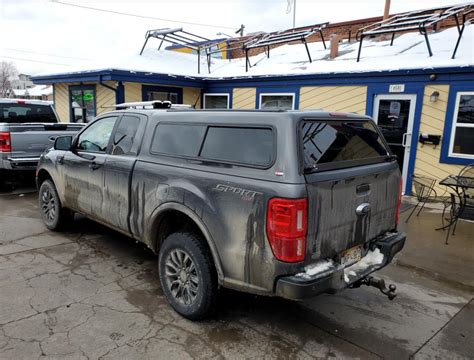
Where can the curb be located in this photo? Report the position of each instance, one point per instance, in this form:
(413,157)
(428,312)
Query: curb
(434,275)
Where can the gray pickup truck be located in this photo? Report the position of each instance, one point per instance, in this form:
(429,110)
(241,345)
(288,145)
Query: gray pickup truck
(27,128)
(289,204)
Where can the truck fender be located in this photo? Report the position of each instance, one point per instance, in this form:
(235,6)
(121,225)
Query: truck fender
(152,224)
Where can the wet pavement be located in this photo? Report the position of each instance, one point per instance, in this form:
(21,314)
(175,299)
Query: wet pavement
(93,293)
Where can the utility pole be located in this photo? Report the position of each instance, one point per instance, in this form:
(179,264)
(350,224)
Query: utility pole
(294,13)
(288,9)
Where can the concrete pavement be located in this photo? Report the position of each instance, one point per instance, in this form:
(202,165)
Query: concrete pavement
(93,293)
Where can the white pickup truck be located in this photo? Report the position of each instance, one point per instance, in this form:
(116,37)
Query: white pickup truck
(27,128)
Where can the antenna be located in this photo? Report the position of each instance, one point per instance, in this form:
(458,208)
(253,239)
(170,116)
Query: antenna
(241,30)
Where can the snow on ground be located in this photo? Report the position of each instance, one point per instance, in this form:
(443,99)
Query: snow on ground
(408,52)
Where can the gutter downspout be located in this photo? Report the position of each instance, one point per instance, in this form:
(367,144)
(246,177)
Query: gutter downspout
(119,91)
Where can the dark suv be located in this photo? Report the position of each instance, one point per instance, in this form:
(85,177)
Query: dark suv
(291,204)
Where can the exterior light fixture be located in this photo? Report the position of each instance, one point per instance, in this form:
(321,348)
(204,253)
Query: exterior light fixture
(434,96)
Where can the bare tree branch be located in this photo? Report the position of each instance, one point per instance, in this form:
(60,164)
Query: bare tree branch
(8,72)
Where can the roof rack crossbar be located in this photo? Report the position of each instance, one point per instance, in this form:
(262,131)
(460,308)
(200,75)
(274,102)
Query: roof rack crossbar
(154,104)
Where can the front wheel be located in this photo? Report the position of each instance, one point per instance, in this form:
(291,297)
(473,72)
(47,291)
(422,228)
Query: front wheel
(187,275)
(54,216)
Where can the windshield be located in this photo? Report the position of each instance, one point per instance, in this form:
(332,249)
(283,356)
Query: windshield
(338,144)
(16,113)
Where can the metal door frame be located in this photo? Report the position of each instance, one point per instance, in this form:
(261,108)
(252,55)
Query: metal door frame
(407,137)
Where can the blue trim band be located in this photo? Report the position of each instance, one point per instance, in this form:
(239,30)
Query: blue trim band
(448,125)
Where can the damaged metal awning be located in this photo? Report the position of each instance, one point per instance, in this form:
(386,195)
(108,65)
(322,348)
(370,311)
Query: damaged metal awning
(423,21)
(178,36)
(283,37)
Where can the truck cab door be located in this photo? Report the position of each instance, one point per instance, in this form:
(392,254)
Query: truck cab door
(125,145)
(83,168)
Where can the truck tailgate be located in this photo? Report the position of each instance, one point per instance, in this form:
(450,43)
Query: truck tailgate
(351,207)
(353,184)
(30,140)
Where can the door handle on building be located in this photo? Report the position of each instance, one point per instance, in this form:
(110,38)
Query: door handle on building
(404,139)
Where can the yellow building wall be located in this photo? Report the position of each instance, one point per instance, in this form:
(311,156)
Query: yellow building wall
(133,93)
(104,98)
(244,98)
(61,101)
(433,115)
(334,98)
(192,96)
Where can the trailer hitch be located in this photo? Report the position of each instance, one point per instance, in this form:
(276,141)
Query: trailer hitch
(379,284)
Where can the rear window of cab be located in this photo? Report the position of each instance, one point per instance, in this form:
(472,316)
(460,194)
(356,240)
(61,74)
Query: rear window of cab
(340,144)
(249,146)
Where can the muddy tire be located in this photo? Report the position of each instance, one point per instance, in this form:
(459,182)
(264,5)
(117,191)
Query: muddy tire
(54,216)
(187,275)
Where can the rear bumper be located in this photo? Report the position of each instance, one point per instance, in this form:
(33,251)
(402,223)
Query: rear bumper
(337,278)
(26,163)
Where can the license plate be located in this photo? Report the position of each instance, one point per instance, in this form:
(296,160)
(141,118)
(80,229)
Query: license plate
(351,256)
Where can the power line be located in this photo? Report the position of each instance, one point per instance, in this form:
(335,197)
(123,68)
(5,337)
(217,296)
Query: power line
(46,54)
(31,60)
(142,16)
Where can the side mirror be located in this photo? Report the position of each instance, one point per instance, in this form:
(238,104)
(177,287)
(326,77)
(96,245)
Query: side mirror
(63,143)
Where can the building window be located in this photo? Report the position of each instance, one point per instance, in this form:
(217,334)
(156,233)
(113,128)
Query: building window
(462,132)
(162,93)
(277,101)
(216,101)
(163,96)
(82,103)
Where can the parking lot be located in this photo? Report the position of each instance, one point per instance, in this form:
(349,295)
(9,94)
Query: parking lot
(93,293)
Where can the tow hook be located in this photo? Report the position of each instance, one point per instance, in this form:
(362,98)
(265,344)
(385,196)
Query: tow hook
(379,284)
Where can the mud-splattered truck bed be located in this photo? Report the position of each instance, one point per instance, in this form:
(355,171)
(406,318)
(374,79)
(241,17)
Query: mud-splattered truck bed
(282,203)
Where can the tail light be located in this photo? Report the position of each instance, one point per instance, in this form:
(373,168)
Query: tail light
(400,187)
(287,223)
(5,142)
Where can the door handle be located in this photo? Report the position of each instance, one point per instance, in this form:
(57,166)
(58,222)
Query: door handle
(404,139)
(94,166)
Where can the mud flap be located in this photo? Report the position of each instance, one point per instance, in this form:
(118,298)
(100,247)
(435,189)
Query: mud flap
(377,283)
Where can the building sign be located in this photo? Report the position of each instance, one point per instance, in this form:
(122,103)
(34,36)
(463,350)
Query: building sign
(396,88)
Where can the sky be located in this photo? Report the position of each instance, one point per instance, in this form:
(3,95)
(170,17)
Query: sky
(50,35)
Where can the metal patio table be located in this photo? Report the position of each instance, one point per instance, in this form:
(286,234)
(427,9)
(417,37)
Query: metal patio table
(459,184)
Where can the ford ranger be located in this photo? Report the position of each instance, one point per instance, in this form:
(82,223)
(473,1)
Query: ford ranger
(280,203)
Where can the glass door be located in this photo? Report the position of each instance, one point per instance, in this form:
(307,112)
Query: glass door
(394,115)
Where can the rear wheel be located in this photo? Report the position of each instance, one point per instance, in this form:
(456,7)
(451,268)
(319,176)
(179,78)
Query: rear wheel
(187,275)
(54,216)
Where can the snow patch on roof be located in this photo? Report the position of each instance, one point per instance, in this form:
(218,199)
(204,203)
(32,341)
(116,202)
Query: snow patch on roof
(408,52)
(38,90)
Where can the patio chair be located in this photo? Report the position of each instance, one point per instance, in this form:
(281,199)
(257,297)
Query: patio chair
(424,191)
(460,210)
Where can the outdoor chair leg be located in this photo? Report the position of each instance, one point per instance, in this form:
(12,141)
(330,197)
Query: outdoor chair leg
(414,208)
(419,211)
(455,224)
(447,235)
